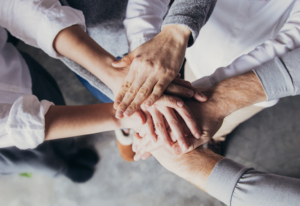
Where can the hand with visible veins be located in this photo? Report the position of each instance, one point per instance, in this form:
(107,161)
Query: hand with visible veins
(153,66)
(226,97)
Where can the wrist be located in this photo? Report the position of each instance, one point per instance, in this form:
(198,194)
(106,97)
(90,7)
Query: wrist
(179,33)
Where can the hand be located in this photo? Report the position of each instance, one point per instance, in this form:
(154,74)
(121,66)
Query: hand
(154,65)
(209,117)
(164,117)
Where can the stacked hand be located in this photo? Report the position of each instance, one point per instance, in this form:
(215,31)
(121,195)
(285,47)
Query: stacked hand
(208,115)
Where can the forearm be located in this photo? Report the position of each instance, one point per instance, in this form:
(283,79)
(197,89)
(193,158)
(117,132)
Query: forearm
(237,92)
(75,44)
(68,121)
(195,166)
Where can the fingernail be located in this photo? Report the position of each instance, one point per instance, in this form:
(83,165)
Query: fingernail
(119,114)
(180,103)
(190,93)
(177,150)
(148,103)
(198,136)
(127,112)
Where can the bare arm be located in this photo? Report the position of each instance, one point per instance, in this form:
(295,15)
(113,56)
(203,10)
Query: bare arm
(68,121)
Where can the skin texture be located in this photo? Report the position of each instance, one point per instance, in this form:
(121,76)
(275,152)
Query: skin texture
(73,42)
(153,66)
(226,97)
(195,166)
(69,121)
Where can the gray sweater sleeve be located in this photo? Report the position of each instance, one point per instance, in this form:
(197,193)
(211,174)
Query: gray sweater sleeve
(237,185)
(191,13)
(281,76)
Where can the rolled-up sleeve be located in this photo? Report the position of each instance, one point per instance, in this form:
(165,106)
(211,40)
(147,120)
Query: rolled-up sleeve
(22,124)
(37,22)
(237,185)
(143,20)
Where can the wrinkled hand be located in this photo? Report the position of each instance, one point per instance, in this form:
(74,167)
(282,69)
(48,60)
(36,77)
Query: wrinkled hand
(154,65)
(209,116)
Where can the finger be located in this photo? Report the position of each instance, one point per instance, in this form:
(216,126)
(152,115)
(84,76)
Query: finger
(190,121)
(125,61)
(182,82)
(141,94)
(160,126)
(199,96)
(136,142)
(186,130)
(179,91)
(124,88)
(150,127)
(158,90)
(170,101)
(130,95)
(176,128)
(193,144)
(146,155)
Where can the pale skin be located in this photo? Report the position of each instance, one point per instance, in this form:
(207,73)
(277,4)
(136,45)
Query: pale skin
(226,97)
(73,42)
(153,66)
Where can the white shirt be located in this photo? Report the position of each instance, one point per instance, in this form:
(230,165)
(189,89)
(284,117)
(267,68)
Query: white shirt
(36,22)
(256,31)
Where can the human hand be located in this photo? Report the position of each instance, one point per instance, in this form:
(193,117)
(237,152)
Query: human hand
(209,117)
(162,115)
(154,65)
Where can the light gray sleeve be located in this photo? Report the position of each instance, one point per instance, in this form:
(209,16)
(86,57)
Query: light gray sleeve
(281,76)
(237,185)
(191,13)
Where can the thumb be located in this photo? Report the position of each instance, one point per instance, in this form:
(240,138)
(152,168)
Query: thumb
(140,117)
(125,61)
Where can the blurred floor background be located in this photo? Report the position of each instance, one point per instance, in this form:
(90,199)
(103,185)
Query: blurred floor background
(269,142)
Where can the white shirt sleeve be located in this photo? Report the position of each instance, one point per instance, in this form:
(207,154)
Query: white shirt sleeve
(286,40)
(143,20)
(37,22)
(22,124)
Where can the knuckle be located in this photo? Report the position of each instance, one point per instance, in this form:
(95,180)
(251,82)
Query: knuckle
(143,91)
(133,107)
(122,106)
(159,88)
(132,91)
(126,85)
(174,122)
(159,126)
(154,97)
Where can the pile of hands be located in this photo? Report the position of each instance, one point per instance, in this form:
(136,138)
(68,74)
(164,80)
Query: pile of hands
(177,117)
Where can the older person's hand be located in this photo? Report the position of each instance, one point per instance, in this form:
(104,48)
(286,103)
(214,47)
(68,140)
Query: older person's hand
(154,65)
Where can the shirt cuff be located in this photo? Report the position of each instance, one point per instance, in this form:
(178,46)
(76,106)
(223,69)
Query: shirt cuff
(275,79)
(26,122)
(55,20)
(223,179)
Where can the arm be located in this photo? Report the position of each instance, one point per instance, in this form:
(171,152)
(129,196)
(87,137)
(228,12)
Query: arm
(285,41)
(155,64)
(228,181)
(28,122)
